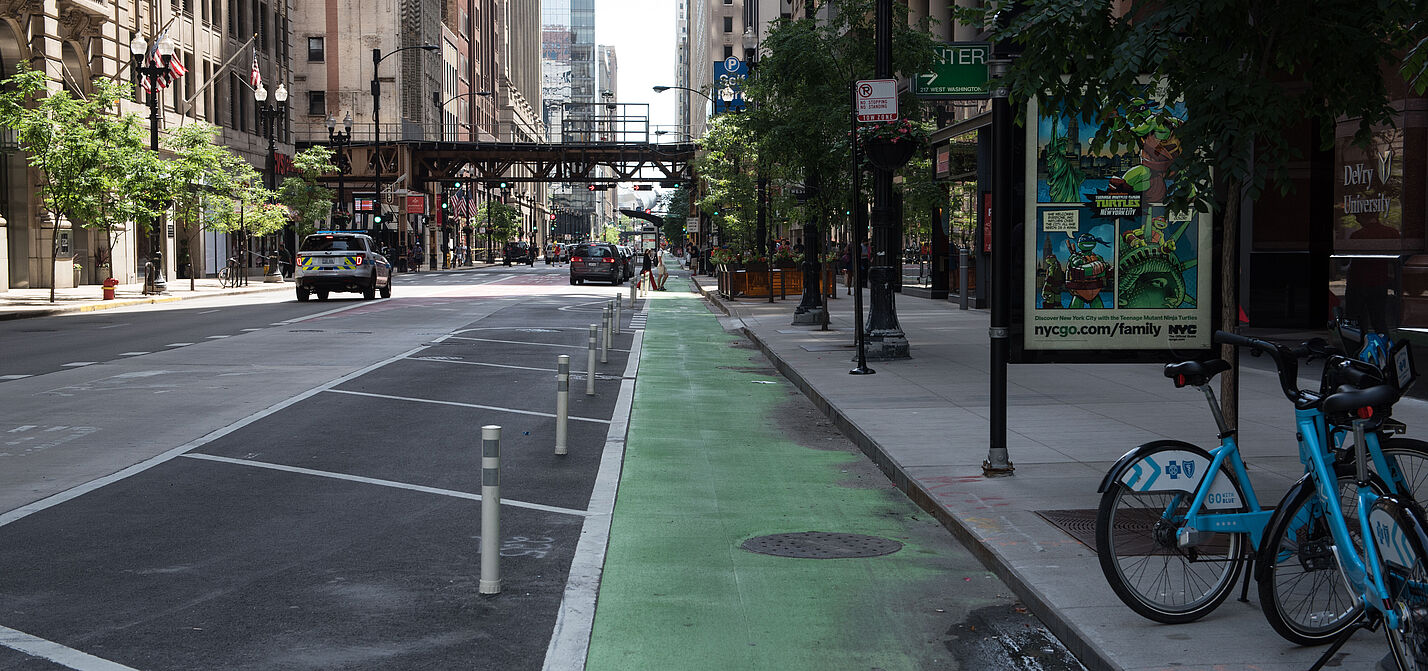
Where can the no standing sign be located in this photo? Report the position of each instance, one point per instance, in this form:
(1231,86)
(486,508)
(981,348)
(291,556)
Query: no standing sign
(876,100)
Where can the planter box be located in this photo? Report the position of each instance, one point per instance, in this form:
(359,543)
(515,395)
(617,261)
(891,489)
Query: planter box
(786,282)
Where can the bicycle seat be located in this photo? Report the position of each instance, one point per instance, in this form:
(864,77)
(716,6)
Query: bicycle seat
(1195,373)
(1344,404)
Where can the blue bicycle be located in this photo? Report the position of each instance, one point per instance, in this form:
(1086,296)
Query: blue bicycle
(1175,520)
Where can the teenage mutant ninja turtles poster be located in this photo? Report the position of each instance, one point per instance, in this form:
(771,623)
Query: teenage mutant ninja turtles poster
(1109,265)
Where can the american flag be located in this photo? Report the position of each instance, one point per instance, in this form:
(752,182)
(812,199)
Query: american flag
(458,203)
(176,68)
(255,78)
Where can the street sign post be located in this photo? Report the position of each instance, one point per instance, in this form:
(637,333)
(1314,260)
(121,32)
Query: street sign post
(959,70)
(877,100)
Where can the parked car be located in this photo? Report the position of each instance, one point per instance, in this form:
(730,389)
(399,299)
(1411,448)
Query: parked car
(339,261)
(596,261)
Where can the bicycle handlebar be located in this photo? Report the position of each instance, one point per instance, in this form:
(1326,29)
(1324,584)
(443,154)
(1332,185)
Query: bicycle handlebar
(1286,359)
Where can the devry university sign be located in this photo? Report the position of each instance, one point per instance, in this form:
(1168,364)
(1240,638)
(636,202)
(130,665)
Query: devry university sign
(876,100)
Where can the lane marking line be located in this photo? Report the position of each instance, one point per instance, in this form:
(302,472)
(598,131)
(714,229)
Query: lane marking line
(15,377)
(132,353)
(517,342)
(570,641)
(216,337)
(76,364)
(54,652)
(572,418)
(178,344)
(380,482)
(80,490)
(574,375)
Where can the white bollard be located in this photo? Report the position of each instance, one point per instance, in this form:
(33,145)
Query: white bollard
(590,362)
(606,318)
(616,325)
(634,286)
(562,400)
(490,509)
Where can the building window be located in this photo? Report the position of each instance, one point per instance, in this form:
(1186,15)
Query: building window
(728,50)
(728,24)
(261,12)
(232,18)
(317,103)
(314,50)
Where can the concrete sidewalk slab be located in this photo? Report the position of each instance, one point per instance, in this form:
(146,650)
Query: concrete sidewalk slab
(924,422)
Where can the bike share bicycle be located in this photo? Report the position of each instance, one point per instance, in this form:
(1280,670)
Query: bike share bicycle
(1174,518)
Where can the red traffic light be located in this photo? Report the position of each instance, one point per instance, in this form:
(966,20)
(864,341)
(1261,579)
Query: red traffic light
(590,187)
(644,187)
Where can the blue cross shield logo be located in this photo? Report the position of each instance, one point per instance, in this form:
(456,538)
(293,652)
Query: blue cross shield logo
(1189,468)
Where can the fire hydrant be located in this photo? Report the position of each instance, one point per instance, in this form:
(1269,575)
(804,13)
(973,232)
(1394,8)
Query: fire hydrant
(109,285)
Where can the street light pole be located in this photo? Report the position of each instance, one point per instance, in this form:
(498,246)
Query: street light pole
(268,114)
(441,109)
(341,139)
(154,275)
(377,58)
(883,328)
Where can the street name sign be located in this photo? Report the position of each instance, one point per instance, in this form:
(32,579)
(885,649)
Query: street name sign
(959,70)
(877,100)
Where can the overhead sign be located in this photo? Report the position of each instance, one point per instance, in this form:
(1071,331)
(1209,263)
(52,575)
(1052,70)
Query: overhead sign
(959,70)
(416,204)
(876,100)
(729,73)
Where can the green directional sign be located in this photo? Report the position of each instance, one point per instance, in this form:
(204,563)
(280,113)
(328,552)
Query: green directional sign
(959,70)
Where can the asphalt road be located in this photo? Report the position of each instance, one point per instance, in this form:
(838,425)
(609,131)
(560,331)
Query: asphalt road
(298,487)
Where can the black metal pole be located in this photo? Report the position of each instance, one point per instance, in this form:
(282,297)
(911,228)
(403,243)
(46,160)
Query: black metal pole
(1003,147)
(377,136)
(883,328)
(856,253)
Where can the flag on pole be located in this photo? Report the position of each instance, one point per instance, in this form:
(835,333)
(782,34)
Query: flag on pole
(458,203)
(255,78)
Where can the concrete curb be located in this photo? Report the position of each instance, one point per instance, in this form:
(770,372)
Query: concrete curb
(1091,656)
(8,312)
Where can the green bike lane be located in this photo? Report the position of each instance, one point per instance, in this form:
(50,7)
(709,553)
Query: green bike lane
(721,449)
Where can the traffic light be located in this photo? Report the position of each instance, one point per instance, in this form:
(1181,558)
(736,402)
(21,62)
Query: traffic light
(504,185)
(669,184)
(589,187)
(377,217)
(643,187)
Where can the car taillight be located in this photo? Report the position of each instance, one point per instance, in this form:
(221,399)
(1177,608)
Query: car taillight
(608,260)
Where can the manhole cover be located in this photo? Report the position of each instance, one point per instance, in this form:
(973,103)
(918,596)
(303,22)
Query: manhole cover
(821,545)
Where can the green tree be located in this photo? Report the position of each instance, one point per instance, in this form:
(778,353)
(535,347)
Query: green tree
(1248,71)
(676,210)
(308,200)
(801,96)
(208,182)
(502,220)
(91,160)
(727,167)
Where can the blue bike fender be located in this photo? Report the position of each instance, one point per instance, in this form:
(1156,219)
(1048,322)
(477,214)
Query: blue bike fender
(1265,556)
(1131,458)
(1399,530)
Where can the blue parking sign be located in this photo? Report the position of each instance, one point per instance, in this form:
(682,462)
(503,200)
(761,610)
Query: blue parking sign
(730,73)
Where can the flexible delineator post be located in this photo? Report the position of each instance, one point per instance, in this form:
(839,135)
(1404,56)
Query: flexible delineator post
(562,400)
(590,361)
(490,509)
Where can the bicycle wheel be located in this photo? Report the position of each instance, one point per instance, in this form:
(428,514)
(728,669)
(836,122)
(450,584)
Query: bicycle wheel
(1405,575)
(225,278)
(1136,540)
(1300,590)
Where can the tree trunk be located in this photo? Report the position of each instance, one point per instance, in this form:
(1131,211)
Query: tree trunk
(1230,303)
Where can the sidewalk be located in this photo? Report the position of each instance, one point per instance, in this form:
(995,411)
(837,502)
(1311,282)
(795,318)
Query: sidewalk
(924,421)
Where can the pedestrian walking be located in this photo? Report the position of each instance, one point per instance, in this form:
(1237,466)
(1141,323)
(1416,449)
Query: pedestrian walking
(845,264)
(646,265)
(661,273)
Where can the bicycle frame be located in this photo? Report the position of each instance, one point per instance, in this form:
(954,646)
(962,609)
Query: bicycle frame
(1200,518)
